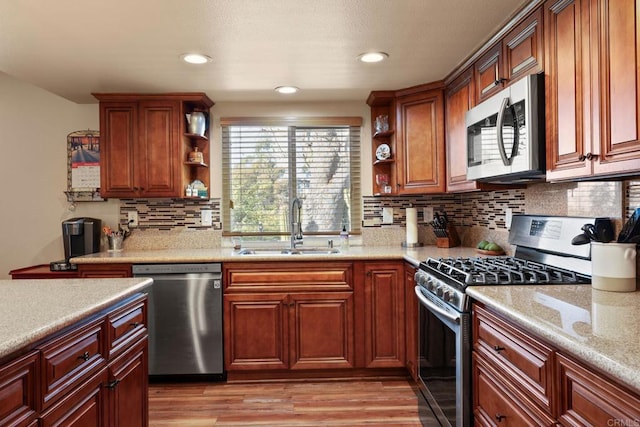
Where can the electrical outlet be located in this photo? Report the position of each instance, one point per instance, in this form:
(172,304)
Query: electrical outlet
(132,218)
(508,215)
(387,215)
(427,214)
(206,217)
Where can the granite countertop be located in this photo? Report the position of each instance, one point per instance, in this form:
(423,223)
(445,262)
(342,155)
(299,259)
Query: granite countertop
(598,327)
(31,310)
(413,255)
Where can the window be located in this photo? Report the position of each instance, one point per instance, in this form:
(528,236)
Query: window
(268,162)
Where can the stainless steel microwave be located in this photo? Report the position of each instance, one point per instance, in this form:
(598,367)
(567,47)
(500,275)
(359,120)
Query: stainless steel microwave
(505,134)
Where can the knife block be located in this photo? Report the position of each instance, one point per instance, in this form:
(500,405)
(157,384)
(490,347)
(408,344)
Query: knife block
(452,239)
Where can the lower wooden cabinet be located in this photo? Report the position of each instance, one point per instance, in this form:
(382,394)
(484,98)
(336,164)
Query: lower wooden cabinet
(83,376)
(411,321)
(104,270)
(520,380)
(314,316)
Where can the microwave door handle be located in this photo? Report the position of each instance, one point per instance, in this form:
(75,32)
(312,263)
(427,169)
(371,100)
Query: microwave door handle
(499,123)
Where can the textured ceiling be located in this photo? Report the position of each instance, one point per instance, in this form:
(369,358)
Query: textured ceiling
(75,47)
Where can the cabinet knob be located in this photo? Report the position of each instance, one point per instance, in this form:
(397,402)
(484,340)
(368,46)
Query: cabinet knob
(84,356)
(591,156)
(582,157)
(500,417)
(134,324)
(498,348)
(113,384)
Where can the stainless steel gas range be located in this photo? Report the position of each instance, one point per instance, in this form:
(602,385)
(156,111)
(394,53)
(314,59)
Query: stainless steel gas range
(544,254)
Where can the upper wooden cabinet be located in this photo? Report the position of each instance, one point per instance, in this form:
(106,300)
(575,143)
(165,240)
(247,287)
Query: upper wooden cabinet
(593,94)
(519,53)
(144,144)
(420,162)
(382,103)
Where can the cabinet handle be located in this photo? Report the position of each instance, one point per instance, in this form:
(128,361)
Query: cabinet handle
(500,417)
(85,356)
(134,324)
(498,348)
(113,384)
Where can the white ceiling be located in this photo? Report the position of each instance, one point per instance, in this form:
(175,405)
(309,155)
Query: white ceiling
(75,47)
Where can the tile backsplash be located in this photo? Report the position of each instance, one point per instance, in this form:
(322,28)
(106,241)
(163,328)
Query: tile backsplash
(477,215)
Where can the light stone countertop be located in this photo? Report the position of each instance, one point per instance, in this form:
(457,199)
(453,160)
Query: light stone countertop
(413,255)
(31,310)
(598,327)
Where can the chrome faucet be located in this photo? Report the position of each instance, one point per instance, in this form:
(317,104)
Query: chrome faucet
(296,222)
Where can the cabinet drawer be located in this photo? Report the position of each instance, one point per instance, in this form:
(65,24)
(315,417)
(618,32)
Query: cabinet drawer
(526,362)
(243,277)
(495,405)
(18,390)
(69,359)
(589,399)
(126,323)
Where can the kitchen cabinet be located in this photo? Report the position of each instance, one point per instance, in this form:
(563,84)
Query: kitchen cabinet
(593,117)
(108,270)
(420,162)
(145,145)
(41,271)
(518,379)
(384,322)
(520,52)
(93,373)
(382,103)
(288,316)
(411,320)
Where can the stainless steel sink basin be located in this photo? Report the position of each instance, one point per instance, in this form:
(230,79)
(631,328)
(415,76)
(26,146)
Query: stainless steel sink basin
(287,251)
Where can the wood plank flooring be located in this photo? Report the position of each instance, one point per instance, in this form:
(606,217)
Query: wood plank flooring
(388,402)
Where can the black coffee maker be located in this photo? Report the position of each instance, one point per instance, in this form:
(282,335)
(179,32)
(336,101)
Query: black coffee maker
(81,236)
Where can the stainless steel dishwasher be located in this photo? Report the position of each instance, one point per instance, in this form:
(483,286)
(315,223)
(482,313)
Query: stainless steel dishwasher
(185,318)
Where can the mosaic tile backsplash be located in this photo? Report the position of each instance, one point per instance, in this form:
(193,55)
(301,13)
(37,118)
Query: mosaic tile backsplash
(478,215)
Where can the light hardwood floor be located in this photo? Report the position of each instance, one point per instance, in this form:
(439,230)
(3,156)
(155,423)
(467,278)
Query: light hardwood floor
(388,402)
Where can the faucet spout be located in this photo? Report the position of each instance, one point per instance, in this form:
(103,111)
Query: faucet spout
(296,222)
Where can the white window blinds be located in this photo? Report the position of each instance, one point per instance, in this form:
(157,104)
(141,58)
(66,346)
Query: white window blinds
(269,162)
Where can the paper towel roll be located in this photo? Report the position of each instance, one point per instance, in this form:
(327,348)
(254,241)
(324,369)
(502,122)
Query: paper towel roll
(412,226)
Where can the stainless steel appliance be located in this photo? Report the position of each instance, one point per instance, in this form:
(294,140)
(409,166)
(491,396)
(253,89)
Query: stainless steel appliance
(544,255)
(505,134)
(80,236)
(185,318)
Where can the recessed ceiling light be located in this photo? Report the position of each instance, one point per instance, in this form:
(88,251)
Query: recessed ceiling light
(195,58)
(286,89)
(373,56)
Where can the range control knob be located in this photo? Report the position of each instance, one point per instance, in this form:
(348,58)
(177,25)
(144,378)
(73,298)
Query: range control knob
(440,291)
(448,296)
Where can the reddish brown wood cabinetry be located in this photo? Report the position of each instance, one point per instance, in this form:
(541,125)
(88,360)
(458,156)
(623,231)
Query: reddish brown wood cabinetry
(104,270)
(92,374)
(592,99)
(411,321)
(144,144)
(420,162)
(288,316)
(384,332)
(520,380)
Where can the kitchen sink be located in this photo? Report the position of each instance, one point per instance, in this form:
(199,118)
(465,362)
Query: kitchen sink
(288,251)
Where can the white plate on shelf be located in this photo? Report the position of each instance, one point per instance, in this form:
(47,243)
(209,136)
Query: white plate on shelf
(383,152)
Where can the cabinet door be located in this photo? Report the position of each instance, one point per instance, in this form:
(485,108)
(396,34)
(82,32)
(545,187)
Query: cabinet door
(618,79)
(568,92)
(158,156)
(524,48)
(384,315)
(458,100)
(420,166)
(322,330)
(256,331)
(118,133)
(128,387)
(84,407)
(489,74)
(19,390)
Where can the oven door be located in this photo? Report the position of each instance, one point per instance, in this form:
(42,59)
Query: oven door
(444,359)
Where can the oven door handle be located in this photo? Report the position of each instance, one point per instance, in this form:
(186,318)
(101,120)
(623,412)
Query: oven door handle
(431,306)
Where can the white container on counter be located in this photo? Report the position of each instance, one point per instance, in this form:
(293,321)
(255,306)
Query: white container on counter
(613,266)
